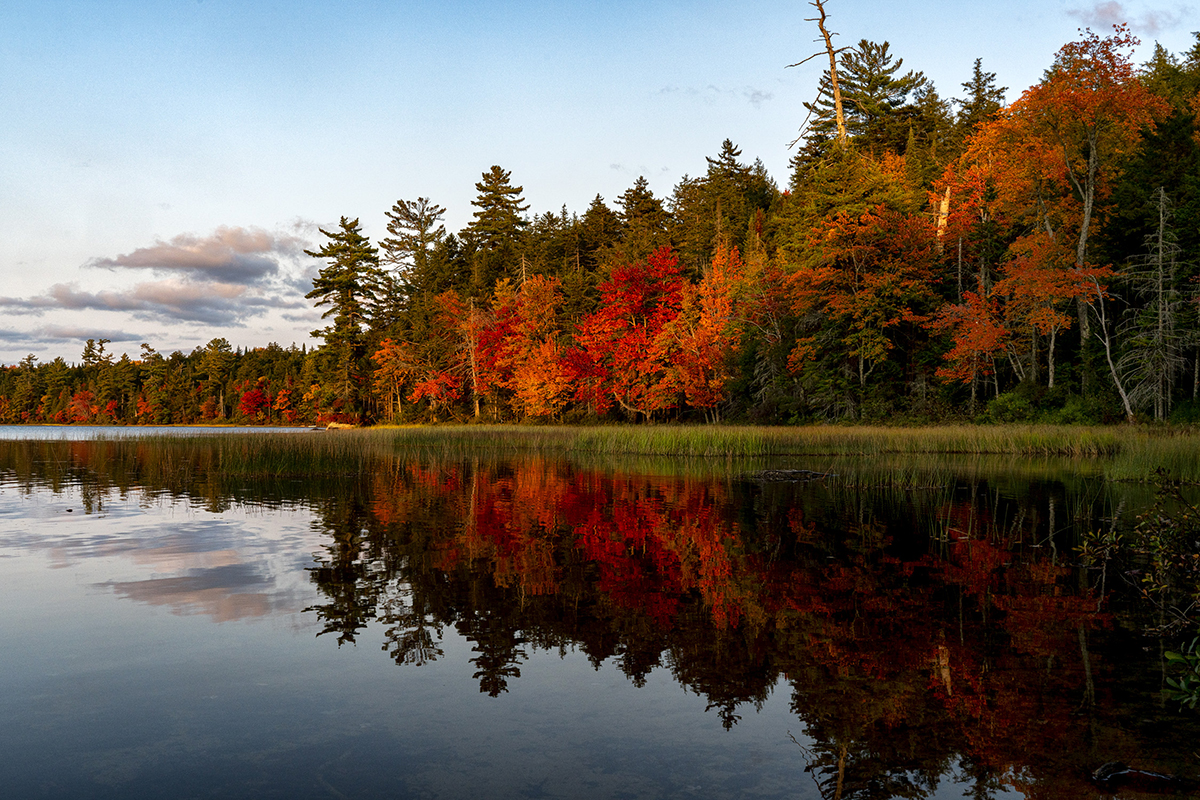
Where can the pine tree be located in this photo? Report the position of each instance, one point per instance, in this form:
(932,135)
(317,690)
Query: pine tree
(983,100)
(348,284)
(497,228)
(872,92)
(416,231)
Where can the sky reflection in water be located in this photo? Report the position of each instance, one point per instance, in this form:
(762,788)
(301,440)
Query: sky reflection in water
(154,647)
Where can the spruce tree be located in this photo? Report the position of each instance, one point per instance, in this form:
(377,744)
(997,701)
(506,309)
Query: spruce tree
(496,229)
(348,284)
(983,100)
(644,223)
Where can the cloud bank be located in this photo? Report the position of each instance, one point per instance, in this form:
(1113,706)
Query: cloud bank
(223,279)
(240,255)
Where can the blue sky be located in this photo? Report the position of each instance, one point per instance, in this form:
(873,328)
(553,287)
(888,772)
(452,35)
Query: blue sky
(164,164)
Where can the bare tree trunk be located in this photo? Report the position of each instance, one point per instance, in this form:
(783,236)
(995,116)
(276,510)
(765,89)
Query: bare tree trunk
(1034,376)
(960,266)
(1050,359)
(943,214)
(1087,195)
(833,75)
(1196,375)
(1106,340)
(471,353)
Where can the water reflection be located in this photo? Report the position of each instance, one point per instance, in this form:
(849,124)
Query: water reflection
(925,636)
(917,631)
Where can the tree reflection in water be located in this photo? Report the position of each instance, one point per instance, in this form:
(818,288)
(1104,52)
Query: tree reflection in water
(920,633)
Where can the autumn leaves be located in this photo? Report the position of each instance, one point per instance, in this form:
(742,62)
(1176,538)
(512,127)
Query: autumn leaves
(653,340)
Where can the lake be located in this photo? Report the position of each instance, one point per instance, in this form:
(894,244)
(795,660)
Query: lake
(432,627)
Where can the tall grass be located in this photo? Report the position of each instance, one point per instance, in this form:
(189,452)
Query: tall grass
(1122,453)
(862,441)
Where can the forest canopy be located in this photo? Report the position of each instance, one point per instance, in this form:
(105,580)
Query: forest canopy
(946,258)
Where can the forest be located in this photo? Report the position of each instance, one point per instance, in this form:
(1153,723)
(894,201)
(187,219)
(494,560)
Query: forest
(927,259)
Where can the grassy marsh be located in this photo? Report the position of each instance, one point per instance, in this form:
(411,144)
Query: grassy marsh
(911,456)
(1122,453)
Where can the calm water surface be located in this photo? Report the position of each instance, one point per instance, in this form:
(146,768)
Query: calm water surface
(535,628)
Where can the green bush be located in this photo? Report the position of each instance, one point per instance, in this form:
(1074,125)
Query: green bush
(1010,407)
(1185,412)
(1076,410)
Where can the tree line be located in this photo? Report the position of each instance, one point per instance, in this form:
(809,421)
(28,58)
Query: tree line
(927,258)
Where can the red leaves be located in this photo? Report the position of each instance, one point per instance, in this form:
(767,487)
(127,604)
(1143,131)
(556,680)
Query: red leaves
(254,401)
(615,360)
(698,344)
(520,349)
(440,388)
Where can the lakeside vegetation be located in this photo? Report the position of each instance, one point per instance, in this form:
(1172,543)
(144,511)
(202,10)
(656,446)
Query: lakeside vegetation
(1118,453)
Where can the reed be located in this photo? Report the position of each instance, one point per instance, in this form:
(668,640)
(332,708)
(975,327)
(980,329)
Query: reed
(1122,453)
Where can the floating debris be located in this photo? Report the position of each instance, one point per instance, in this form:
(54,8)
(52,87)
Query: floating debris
(791,475)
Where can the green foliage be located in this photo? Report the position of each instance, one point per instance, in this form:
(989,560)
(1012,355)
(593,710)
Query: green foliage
(720,207)
(1184,688)
(1010,407)
(1167,539)
(859,341)
(983,100)
(1186,412)
(1076,410)
(873,91)
(496,229)
(349,285)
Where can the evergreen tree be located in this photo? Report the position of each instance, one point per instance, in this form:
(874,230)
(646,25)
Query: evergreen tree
(415,232)
(217,364)
(1158,338)
(348,284)
(599,229)
(983,100)
(496,228)
(872,92)
(644,224)
(930,144)
(718,207)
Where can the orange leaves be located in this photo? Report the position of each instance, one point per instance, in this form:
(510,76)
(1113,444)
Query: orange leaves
(1038,281)
(874,272)
(697,345)
(394,364)
(540,379)
(979,336)
(521,346)
(1091,98)
(440,389)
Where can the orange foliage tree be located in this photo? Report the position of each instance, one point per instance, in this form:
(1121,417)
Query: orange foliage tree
(873,274)
(520,346)
(395,364)
(699,344)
